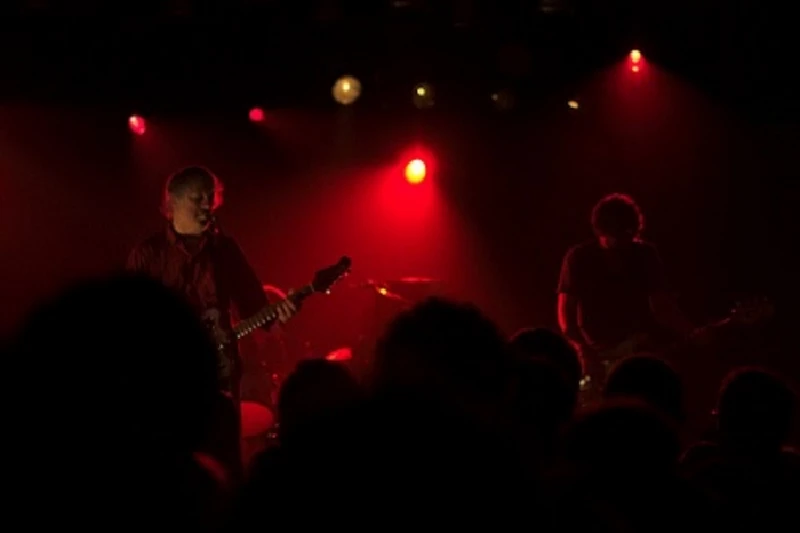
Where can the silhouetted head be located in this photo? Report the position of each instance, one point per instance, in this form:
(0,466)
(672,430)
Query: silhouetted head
(649,379)
(440,342)
(542,397)
(544,343)
(121,356)
(623,438)
(114,385)
(617,220)
(316,396)
(755,410)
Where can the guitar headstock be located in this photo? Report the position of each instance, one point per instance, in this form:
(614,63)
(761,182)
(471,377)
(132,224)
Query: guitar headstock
(752,311)
(325,278)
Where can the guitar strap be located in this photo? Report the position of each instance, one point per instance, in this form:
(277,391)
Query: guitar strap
(215,262)
(223,300)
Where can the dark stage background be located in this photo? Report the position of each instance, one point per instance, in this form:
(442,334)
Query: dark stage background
(706,145)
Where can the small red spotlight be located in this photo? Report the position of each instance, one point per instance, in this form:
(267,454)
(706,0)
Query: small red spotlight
(137,124)
(415,171)
(635,61)
(256,114)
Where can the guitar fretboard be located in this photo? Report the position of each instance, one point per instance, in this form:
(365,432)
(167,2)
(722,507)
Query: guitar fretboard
(268,314)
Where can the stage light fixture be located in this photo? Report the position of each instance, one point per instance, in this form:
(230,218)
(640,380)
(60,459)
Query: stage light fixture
(137,125)
(416,171)
(503,100)
(635,60)
(256,114)
(346,90)
(423,96)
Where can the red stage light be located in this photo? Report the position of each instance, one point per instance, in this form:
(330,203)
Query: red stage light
(415,171)
(635,60)
(256,114)
(137,124)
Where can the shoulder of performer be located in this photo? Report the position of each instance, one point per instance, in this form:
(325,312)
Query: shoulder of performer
(579,250)
(145,250)
(155,241)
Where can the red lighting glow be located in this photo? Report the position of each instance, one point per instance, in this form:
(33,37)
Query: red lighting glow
(256,114)
(137,124)
(340,354)
(415,171)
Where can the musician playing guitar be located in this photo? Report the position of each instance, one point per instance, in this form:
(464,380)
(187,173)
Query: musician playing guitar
(612,288)
(190,256)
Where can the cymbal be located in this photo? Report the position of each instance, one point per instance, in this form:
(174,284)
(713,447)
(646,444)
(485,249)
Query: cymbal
(414,280)
(390,295)
(380,289)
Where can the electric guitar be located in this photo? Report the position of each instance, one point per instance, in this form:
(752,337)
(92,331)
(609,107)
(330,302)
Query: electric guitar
(743,314)
(322,281)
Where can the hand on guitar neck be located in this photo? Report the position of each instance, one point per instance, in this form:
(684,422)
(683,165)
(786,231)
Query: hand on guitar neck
(281,311)
(286,309)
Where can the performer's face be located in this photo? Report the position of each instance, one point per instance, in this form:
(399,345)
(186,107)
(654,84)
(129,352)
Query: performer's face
(191,210)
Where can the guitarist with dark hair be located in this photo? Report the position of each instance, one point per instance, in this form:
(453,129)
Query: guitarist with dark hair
(612,288)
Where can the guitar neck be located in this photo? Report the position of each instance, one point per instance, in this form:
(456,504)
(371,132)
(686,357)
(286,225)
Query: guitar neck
(269,313)
(718,324)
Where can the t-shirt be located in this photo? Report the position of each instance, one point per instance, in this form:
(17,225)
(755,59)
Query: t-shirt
(612,287)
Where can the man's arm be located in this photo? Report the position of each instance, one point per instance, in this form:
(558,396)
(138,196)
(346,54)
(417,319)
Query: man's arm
(662,304)
(567,310)
(568,317)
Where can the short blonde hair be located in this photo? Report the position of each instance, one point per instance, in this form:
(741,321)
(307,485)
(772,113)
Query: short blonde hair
(187,177)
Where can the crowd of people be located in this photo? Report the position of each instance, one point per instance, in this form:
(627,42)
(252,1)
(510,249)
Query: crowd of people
(456,423)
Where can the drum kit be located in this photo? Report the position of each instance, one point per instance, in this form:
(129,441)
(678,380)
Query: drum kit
(267,358)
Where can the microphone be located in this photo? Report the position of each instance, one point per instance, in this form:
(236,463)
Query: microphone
(213,225)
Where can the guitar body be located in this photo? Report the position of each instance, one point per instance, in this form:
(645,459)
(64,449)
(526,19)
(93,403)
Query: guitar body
(633,345)
(598,360)
(228,362)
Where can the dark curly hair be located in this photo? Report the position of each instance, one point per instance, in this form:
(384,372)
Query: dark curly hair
(617,215)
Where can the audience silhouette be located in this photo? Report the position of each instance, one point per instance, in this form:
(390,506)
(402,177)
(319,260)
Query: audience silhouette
(456,424)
